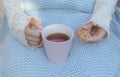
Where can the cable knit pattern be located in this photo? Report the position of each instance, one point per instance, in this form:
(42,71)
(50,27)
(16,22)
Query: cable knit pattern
(85,60)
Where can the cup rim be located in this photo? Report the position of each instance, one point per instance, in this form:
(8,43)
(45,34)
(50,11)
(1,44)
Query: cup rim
(72,35)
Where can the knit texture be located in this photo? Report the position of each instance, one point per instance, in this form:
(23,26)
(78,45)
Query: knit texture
(85,60)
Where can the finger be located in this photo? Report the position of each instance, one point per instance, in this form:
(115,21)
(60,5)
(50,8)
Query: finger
(33,43)
(28,38)
(88,25)
(32,33)
(93,39)
(36,46)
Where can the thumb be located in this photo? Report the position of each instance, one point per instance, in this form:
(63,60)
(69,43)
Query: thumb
(36,23)
(88,25)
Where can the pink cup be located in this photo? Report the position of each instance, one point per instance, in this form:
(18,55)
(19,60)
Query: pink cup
(57,52)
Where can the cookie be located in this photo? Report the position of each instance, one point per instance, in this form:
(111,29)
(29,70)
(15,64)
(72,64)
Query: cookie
(83,34)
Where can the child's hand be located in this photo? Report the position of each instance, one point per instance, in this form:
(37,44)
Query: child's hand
(96,32)
(33,36)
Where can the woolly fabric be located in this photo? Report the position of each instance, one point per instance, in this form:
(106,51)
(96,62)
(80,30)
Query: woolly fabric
(85,60)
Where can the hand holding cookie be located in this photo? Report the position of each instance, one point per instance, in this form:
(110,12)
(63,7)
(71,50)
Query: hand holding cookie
(91,33)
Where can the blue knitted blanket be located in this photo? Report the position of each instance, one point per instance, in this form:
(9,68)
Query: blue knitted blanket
(85,60)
